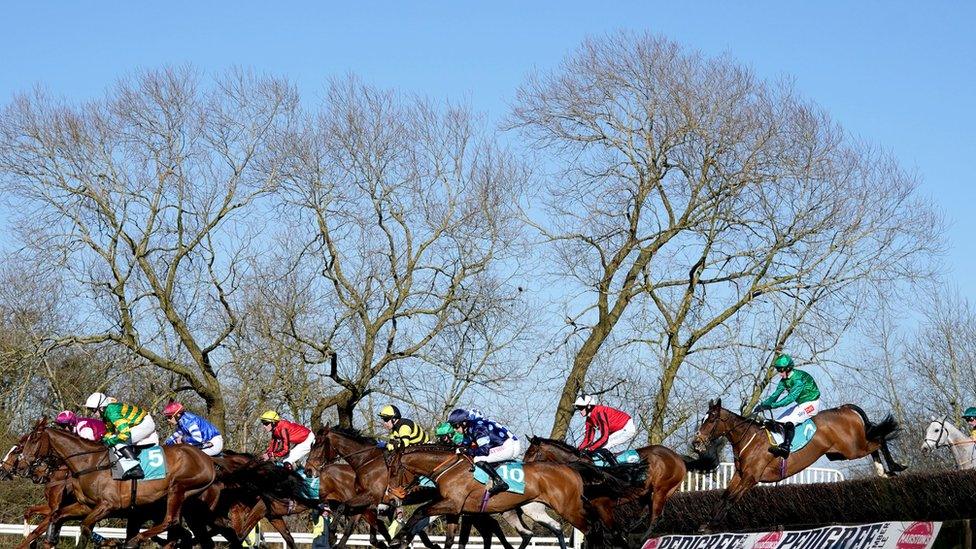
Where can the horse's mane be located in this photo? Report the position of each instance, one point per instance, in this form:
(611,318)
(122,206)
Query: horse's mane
(84,442)
(561,444)
(355,434)
(429,447)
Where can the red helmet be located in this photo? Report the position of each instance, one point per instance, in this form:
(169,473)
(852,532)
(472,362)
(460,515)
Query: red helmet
(172,409)
(66,417)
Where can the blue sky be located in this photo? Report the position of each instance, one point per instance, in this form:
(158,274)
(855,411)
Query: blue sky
(899,74)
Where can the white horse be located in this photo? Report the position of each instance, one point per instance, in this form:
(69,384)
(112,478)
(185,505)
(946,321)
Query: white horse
(943,434)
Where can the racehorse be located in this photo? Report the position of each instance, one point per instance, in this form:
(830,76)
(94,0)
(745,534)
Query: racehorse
(941,433)
(61,503)
(663,468)
(842,433)
(361,452)
(189,472)
(558,486)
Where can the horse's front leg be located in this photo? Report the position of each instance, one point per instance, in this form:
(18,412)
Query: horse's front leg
(279,524)
(174,503)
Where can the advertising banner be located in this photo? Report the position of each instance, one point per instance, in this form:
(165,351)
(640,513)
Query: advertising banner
(880,535)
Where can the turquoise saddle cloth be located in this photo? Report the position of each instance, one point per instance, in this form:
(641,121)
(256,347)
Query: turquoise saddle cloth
(510,471)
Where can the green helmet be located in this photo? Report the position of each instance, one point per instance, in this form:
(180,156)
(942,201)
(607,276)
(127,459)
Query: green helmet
(783,362)
(970,412)
(443,429)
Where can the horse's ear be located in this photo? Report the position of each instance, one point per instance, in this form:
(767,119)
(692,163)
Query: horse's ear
(718,402)
(711,402)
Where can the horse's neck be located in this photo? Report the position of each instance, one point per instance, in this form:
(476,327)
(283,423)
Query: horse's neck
(356,454)
(561,454)
(741,438)
(962,446)
(424,463)
(66,445)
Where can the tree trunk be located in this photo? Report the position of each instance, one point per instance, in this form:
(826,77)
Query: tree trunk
(216,409)
(576,377)
(655,433)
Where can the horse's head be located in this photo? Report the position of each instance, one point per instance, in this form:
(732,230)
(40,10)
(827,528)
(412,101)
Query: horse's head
(10,464)
(322,451)
(712,427)
(936,435)
(30,451)
(544,449)
(534,453)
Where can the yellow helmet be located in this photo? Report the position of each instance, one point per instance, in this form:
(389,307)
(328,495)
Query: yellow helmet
(270,415)
(389,412)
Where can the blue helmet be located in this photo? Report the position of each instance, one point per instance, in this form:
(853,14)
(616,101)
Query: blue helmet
(458,417)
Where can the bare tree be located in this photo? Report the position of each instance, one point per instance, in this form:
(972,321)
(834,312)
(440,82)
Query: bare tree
(138,202)
(690,183)
(399,214)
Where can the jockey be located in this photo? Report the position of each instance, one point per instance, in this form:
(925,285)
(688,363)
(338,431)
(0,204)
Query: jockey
(127,427)
(616,428)
(490,443)
(970,416)
(87,428)
(403,432)
(445,434)
(290,442)
(802,397)
(192,429)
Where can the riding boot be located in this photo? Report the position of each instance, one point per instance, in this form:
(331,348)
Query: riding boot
(497,484)
(783,450)
(134,472)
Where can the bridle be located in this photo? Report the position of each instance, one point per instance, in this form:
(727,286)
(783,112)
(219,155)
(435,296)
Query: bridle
(937,443)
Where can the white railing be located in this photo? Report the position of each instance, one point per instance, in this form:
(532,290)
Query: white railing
(274,538)
(719,478)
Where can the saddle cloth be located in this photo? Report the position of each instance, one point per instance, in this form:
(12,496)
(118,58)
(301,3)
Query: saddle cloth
(510,471)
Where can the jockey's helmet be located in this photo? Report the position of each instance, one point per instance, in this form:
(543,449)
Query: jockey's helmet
(585,401)
(389,413)
(443,429)
(96,401)
(270,417)
(458,417)
(783,363)
(970,412)
(172,409)
(67,417)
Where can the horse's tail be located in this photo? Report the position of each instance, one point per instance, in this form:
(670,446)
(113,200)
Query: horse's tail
(887,429)
(264,478)
(706,461)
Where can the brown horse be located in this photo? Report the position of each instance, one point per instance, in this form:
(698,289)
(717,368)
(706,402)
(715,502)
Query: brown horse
(558,486)
(372,475)
(663,469)
(189,472)
(842,433)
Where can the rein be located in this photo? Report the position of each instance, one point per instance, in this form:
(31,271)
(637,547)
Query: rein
(937,443)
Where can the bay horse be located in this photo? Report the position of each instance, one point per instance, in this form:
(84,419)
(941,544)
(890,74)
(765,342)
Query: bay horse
(843,433)
(60,506)
(189,472)
(943,434)
(663,469)
(372,476)
(558,486)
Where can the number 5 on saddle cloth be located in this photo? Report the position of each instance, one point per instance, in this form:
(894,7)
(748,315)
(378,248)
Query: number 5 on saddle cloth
(152,461)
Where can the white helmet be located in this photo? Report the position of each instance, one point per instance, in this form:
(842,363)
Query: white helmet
(585,401)
(96,401)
